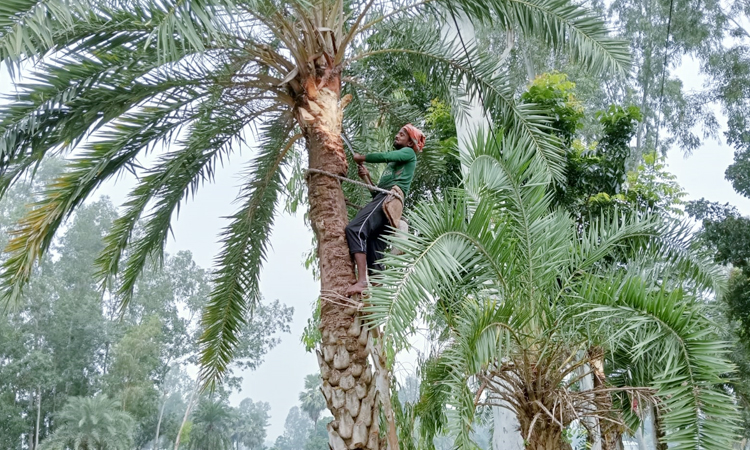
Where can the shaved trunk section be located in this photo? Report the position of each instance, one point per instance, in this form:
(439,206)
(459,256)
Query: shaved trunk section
(348,380)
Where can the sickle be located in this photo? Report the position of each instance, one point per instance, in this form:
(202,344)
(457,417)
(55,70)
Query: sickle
(351,150)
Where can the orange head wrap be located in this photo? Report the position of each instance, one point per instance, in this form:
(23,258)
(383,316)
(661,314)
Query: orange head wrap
(417,137)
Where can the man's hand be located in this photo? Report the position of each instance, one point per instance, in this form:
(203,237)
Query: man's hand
(363,173)
(359,159)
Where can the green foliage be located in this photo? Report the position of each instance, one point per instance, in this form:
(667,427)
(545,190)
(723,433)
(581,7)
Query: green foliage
(599,171)
(297,427)
(318,438)
(311,399)
(651,188)
(672,112)
(251,421)
(135,362)
(524,282)
(211,425)
(439,168)
(738,172)
(598,179)
(95,423)
(67,340)
(555,93)
(311,336)
(725,231)
(597,175)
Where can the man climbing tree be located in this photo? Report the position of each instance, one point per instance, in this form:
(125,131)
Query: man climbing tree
(199,79)
(364,231)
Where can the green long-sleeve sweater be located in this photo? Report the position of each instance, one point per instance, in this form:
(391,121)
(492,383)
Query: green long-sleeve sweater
(400,170)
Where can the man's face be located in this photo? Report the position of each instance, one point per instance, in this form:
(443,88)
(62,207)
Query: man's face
(402,139)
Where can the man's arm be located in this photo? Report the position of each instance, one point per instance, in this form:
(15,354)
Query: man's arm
(401,155)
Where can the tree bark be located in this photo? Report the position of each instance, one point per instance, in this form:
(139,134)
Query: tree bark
(545,435)
(348,383)
(383,385)
(659,435)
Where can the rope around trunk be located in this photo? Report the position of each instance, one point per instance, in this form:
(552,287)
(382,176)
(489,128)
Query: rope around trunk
(359,183)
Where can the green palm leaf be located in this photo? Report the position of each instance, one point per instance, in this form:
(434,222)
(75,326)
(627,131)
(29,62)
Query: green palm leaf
(570,28)
(236,284)
(668,337)
(178,175)
(29,27)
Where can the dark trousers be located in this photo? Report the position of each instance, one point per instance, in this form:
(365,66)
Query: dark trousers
(364,232)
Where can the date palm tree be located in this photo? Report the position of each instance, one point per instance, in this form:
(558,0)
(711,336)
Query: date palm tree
(91,423)
(311,400)
(530,305)
(211,426)
(106,82)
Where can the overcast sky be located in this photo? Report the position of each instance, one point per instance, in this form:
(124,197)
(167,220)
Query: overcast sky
(279,380)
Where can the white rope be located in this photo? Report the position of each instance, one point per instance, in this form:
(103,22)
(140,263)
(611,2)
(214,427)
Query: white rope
(360,183)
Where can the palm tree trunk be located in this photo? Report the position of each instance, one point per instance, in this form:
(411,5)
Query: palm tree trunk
(348,382)
(640,438)
(545,435)
(383,385)
(594,439)
(659,436)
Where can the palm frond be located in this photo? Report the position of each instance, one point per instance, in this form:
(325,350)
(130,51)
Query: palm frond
(561,24)
(236,288)
(186,25)
(486,333)
(72,97)
(28,26)
(675,347)
(99,160)
(178,175)
(451,249)
(434,394)
(83,174)
(500,172)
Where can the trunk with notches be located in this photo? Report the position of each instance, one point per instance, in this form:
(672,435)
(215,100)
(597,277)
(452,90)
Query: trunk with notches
(611,431)
(546,435)
(348,381)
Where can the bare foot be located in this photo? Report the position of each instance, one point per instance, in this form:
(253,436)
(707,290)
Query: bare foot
(356,288)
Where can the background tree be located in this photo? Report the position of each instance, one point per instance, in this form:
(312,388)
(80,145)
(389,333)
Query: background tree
(211,425)
(249,428)
(130,376)
(66,339)
(311,399)
(297,427)
(95,423)
(726,233)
